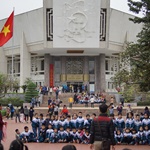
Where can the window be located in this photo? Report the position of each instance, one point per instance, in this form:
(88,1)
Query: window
(19,67)
(111,65)
(57,67)
(37,65)
(91,67)
(16,66)
(42,64)
(110,85)
(106,65)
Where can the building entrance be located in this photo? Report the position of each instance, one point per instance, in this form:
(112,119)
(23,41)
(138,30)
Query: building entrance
(75,87)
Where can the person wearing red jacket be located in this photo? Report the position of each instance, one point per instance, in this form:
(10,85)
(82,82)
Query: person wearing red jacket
(64,110)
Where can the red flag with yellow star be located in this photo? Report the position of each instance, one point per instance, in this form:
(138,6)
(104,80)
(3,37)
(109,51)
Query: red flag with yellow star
(7,31)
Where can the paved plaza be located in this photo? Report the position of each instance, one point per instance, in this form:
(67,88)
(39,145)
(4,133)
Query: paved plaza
(46,146)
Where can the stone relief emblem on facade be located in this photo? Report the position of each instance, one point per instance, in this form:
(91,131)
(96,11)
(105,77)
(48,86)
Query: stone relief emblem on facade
(76,21)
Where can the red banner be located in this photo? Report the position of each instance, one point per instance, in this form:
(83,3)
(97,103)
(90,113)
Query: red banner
(51,75)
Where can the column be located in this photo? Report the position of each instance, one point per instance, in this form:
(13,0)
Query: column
(97,74)
(86,72)
(25,61)
(102,73)
(47,61)
(3,61)
(100,77)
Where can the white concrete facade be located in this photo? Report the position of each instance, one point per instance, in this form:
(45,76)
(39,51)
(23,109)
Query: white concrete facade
(25,63)
(33,45)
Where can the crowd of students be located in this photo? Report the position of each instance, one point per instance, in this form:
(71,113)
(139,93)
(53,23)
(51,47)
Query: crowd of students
(85,98)
(133,130)
(76,129)
(73,129)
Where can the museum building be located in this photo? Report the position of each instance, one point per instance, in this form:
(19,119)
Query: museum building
(68,42)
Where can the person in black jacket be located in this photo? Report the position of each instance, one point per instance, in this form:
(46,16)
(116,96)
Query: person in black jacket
(69,147)
(102,129)
(31,113)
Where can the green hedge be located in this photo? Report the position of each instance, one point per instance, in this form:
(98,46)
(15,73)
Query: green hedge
(143,103)
(13,101)
(3,112)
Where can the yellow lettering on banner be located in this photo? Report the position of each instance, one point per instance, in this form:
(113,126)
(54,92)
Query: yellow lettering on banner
(74,77)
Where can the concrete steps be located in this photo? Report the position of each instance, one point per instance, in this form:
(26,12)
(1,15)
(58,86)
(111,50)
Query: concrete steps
(63,97)
(88,110)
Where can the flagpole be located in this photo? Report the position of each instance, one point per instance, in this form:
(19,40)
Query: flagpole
(12,59)
(12,70)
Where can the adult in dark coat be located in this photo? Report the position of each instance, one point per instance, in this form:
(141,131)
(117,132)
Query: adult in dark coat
(102,129)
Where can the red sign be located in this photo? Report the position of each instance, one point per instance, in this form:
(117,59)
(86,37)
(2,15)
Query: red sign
(51,75)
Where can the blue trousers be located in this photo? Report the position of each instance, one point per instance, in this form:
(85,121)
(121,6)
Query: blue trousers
(35,129)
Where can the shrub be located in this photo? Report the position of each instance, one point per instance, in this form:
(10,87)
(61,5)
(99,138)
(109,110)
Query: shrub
(128,100)
(3,112)
(31,92)
(143,103)
(13,101)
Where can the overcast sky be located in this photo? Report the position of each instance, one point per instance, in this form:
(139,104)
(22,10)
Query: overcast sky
(6,6)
